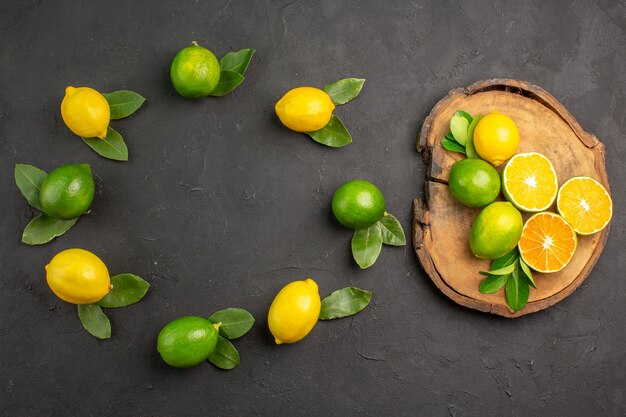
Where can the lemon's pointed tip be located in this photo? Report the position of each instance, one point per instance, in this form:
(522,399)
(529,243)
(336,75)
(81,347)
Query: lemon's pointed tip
(103,134)
(278,341)
(69,90)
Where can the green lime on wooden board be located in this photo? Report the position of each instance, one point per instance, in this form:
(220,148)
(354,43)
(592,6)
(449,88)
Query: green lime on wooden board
(62,196)
(361,206)
(474,182)
(496,230)
(196,72)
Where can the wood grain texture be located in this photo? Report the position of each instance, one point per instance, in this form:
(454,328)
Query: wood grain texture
(441,224)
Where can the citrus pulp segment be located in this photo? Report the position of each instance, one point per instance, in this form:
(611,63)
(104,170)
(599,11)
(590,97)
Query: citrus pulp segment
(548,242)
(529,182)
(585,204)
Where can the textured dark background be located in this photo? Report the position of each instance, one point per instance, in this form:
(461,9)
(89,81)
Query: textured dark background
(220,206)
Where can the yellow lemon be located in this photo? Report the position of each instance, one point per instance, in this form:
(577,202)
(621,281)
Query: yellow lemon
(294,311)
(496,138)
(86,112)
(78,276)
(305,109)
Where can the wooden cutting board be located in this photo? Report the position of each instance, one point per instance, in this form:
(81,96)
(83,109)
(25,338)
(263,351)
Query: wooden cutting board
(441,224)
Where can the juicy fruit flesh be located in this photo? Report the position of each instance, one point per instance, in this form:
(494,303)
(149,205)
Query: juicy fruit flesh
(548,242)
(187,341)
(305,109)
(496,138)
(294,312)
(496,230)
(585,204)
(195,72)
(78,276)
(529,182)
(474,182)
(358,204)
(85,112)
(68,191)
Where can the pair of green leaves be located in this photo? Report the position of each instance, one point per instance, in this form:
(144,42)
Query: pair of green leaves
(126,289)
(460,138)
(233,66)
(367,243)
(122,103)
(344,302)
(234,323)
(511,272)
(43,228)
(335,134)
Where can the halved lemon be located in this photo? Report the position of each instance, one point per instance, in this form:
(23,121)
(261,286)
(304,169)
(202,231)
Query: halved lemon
(529,182)
(585,204)
(548,242)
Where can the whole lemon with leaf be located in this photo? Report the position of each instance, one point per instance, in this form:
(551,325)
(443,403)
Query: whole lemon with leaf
(305,109)
(86,112)
(496,138)
(78,276)
(294,311)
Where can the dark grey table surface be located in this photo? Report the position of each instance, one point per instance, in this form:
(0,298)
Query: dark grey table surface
(220,206)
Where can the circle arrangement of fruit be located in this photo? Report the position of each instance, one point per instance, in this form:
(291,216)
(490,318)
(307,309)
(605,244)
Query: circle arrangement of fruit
(517,193)
(545,242)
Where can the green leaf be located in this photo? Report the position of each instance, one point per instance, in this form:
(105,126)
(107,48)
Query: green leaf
(229,80)
(517,291)
(505,260)
(225,356)
(343,91)
(452,145)
(344,302)
(470,150)
(111,147)
(235,322)
(127,289)
(334,134)
(366,245)
(94,320)
(29,179)
(391,230)
(236,61)
(465,115)
(123,103)
(527,273)
(42,229)
(458,127)
(493,283)
(502,271)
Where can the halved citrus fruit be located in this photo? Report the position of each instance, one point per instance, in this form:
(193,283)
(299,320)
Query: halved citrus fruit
(529,182)
(548,242)
(585,204)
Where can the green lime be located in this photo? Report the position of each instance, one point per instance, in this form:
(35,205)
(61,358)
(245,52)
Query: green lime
(195,71)
(187,341)
(358,204)
(496,230)
(474,182)
(67,191)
